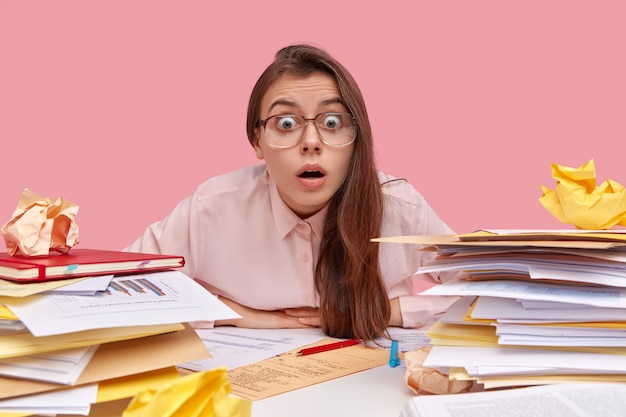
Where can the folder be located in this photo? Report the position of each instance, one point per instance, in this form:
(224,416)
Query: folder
(616,235)
(118,359)
(487,239)
(81,263)
(24,343)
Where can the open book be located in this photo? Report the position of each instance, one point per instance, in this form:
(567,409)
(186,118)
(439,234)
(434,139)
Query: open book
(568,399)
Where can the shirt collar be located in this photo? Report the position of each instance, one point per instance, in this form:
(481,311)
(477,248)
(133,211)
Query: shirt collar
(286,220)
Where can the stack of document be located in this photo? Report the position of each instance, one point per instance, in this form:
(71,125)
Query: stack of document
(537,307)
(88,336)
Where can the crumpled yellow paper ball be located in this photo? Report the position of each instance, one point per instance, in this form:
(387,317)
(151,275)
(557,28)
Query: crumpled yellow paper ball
(41,224)
(201,394)
(576,199)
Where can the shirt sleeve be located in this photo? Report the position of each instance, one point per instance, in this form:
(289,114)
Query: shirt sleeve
(421,311)
(408,213)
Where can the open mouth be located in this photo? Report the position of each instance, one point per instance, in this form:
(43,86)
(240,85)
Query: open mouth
(311,174)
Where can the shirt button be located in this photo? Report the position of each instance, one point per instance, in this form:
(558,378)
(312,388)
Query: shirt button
(305,257)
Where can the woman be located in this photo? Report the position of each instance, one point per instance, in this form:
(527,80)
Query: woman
(287,243)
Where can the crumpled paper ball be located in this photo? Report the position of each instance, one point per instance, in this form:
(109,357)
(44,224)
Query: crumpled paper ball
(576,199)
(201,394)
(423,380)
(40,225)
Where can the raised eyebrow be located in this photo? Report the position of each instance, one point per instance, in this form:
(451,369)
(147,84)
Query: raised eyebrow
(336,100)
(289,103)
(283,102)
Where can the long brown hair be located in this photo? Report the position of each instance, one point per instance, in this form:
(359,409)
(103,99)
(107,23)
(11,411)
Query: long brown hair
(353,298)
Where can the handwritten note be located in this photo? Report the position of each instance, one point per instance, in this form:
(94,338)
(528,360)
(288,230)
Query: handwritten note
(289,371)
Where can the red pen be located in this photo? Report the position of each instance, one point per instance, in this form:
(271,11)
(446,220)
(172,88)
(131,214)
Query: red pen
(330,346)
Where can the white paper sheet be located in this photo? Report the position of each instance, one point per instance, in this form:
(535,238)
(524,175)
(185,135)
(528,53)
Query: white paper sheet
(61,367)
(67,401)
(462,356)
(596,296)
(132,300)
(505,309)
(234,347)
(88,286)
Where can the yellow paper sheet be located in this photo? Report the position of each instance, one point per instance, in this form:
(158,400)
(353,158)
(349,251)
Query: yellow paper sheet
(14,289)
(6,314)
(470,335)
(446,334)
(18,344)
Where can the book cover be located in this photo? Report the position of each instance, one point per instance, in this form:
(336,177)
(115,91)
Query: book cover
(82,262)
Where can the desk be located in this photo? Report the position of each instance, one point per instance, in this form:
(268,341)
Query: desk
(378,392)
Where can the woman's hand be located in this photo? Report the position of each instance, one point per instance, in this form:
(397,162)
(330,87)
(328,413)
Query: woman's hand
(278,319)
(308,316)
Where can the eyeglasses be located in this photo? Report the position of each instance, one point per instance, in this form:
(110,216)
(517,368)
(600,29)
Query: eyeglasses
(286,130)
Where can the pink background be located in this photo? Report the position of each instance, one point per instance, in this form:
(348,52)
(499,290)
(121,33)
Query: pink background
(125,106)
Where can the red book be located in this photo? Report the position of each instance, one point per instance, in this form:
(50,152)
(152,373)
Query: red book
(81,263)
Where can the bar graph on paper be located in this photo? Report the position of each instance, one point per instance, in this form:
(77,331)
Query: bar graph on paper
(134,286)
(126,293)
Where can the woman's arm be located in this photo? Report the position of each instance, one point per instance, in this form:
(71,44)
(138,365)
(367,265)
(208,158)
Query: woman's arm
(396,315)
(288,318)
(277,319)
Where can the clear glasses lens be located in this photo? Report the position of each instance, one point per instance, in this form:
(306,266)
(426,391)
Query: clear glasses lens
(286,130)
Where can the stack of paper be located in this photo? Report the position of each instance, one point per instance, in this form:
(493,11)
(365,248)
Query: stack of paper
(60,336)
(537,307)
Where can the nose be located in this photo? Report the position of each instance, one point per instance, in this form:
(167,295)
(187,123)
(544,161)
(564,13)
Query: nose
(310,138)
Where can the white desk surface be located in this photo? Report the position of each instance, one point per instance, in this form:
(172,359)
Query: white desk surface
(379,392)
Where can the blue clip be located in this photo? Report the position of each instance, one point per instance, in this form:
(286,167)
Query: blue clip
(394,360)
